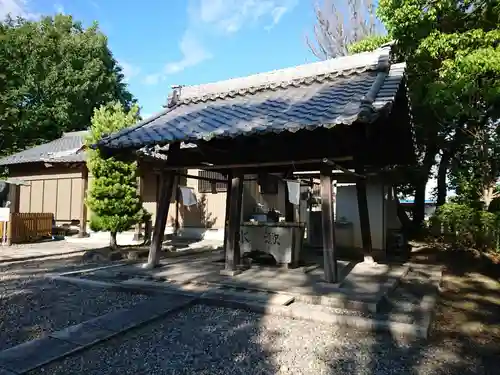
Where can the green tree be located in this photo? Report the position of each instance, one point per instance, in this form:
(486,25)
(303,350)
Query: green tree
(370,43)
(53,74)
(112,197)
(434,39)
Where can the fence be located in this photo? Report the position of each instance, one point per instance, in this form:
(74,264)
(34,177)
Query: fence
(28,227)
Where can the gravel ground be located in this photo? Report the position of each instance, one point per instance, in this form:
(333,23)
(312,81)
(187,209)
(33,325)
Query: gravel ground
(207,340)
(32,306)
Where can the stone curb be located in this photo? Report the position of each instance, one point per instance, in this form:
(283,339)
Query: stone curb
(418,329)
(366,324)
(367,305)
(33,354)
(115,264)
(429,302)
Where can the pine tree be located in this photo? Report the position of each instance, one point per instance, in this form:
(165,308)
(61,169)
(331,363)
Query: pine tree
(112,197)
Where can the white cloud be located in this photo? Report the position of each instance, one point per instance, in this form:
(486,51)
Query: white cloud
(59,9)
(129,71)
(17,8)
(152,79)
(220,16)
(229,16)
(193,53)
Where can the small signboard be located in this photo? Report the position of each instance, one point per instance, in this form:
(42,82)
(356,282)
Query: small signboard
(4,219)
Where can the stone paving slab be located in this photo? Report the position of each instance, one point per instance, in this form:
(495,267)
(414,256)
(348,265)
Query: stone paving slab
(267,298)
(84,334)
(121,320)
(32,354)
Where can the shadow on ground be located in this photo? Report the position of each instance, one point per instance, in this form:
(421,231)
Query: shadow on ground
(464,340)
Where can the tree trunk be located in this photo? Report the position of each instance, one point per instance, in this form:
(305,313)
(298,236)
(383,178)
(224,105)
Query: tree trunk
(420,184)
(442,186)
(112,241)
(488,194)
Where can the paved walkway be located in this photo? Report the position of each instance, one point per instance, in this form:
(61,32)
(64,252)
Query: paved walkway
(41,249)
(35,353)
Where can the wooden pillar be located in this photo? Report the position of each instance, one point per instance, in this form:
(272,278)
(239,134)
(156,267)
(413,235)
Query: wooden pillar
(228,209)
(329,246)
(289,207)
(177,199)
(138,226)
(167,185)
(232,252)
(82,232)
(364,218)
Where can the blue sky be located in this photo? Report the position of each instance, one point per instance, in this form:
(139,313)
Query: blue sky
(160,43)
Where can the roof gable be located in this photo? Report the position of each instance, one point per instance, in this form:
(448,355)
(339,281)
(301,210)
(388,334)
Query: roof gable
(61,150)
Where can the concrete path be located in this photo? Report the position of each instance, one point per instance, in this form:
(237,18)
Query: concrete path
(41,249)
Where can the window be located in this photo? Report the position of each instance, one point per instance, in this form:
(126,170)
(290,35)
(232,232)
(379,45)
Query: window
(206,186)
(268,184)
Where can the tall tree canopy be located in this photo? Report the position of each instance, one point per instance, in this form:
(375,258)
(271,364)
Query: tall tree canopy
(53,73)
(451,50)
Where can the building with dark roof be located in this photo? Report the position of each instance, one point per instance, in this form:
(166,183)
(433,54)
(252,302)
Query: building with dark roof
(224,124)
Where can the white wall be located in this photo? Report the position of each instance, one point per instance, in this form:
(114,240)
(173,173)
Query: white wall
(347,207)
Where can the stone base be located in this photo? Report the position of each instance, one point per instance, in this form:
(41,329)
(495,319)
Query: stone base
(83,235)
(368,259)
(229,272)
(150,266)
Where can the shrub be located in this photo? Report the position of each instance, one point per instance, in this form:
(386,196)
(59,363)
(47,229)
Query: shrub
(465,226)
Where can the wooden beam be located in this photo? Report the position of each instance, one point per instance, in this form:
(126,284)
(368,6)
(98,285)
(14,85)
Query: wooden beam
(167,186)
(364,218)
(209,166)
(138,226)
(177,199)
(82,232)
(329,245)
(232,259)
(228,211)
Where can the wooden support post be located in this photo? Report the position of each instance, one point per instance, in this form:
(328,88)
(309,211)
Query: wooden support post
(82,232)
(330,260)
(167,186)
(138,226)
(177,199)
(228,209)
(364,218)
(233,235)
(289,207)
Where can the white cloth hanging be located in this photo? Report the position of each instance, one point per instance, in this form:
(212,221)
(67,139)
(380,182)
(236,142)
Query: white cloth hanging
(188,197)
(293,191)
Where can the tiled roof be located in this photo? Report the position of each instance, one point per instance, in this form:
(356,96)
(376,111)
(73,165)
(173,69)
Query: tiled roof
(61,150)
(322,94)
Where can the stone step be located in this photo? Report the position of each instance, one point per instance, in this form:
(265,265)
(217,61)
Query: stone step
(249,296)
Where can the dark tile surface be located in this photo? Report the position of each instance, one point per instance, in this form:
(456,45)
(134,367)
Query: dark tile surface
(6,372)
